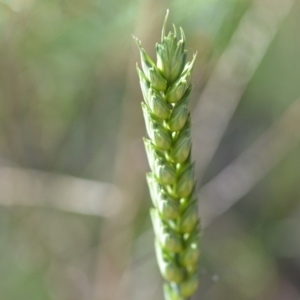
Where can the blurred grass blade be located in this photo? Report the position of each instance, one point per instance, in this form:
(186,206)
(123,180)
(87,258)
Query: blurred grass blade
(27,187)
(233,72)
(237,179)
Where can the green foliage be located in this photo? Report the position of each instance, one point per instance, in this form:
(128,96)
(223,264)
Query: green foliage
(166,87)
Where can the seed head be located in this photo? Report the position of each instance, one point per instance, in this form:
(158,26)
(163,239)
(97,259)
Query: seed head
(166,88)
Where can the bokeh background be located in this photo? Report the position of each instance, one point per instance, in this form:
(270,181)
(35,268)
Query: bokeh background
(74,220)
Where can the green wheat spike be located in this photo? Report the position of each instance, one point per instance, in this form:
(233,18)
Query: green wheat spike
(166,87)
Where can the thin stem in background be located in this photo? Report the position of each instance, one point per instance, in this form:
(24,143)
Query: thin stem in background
(116,238)
(232,74)
(237,179)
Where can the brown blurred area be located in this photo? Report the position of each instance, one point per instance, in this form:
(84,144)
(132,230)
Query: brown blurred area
(74,220)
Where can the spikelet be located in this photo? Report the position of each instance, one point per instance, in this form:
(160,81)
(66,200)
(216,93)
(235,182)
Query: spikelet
(166,87)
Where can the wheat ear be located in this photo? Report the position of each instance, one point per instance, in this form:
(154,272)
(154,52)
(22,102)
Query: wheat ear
(166,87)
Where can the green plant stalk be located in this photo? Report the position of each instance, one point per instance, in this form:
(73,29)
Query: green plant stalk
(166,88)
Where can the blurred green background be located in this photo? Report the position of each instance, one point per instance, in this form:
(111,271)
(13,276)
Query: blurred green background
(74,220)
